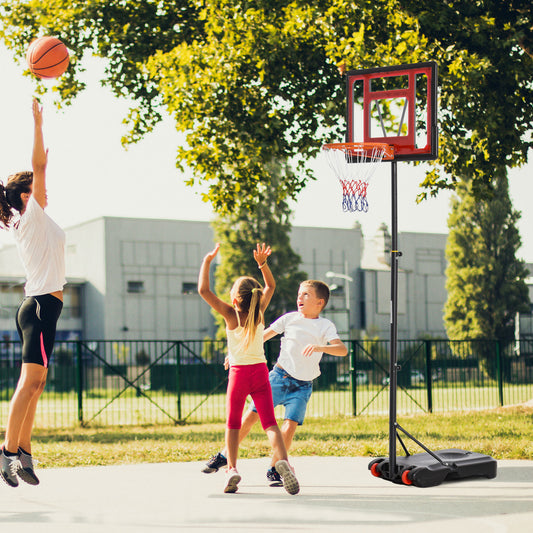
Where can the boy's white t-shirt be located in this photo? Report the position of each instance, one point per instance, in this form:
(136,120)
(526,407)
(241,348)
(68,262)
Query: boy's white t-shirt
(298,332)
(41,245)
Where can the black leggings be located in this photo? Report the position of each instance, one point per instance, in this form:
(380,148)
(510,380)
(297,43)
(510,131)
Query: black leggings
(36,319)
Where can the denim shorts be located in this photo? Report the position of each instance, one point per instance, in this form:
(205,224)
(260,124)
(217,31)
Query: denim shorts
(290,392)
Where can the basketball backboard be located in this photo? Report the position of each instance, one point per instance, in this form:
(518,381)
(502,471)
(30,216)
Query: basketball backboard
(396,105)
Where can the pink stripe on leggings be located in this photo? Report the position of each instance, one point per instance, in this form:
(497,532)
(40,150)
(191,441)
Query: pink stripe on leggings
(43,352)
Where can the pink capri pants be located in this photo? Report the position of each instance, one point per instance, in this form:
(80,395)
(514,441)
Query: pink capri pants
(250,380)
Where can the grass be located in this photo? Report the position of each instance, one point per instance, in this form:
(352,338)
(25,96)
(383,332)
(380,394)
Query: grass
(504,433)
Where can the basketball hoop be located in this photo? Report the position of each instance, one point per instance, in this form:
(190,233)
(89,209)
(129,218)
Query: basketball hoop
(353,165)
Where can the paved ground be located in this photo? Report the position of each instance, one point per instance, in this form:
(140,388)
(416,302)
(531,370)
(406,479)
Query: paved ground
(338,494)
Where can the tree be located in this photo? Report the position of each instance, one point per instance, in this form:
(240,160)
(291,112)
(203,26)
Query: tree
(244,80)
(485,281)
(257,81)
(483,49)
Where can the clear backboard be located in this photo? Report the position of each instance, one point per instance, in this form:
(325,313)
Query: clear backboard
(396,105)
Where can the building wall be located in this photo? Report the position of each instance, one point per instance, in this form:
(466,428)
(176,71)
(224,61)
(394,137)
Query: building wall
(85,260)
(424,264)
(149,266)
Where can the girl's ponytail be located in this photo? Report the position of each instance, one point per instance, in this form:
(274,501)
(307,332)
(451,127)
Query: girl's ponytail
(249,296)
(5,209)
(255,315)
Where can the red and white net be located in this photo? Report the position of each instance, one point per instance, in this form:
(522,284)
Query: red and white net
(353,165)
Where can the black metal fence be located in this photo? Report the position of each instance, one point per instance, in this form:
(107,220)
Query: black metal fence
(142,382)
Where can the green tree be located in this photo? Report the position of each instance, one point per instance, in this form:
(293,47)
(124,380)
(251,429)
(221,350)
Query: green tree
(246,81)
(485,281)
(257,81)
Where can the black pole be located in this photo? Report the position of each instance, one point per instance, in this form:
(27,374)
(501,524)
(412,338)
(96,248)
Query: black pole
(393,370)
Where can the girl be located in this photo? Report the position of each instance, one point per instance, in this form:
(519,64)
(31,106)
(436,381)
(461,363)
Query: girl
(248,374)
(41,243)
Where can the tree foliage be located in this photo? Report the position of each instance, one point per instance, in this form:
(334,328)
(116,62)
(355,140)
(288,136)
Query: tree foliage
(485,281)
(256,81)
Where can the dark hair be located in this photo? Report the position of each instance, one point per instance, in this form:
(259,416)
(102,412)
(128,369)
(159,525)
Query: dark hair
(10,199)
(321,289)
(248,295)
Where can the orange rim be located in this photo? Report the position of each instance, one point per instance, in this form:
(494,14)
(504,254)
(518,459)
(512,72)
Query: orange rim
(388,150)
(405,478)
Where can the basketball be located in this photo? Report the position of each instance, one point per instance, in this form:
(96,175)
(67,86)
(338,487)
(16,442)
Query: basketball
(47,57)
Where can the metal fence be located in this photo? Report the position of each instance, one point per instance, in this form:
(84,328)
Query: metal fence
(144,382)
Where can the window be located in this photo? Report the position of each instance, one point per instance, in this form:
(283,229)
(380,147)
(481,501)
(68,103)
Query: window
(136,286)
(71,301)
(188,287)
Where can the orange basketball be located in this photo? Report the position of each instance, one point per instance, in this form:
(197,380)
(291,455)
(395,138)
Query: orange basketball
(47,57)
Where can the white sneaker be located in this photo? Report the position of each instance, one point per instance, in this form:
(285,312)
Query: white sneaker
(290,483)
(232,480)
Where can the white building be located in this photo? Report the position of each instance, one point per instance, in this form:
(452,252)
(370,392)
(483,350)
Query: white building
(137,279)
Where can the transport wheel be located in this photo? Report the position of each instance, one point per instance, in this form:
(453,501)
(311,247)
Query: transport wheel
(374,470)
(405,478)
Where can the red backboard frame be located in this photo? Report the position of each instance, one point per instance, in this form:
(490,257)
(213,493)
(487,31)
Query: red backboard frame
(405,145)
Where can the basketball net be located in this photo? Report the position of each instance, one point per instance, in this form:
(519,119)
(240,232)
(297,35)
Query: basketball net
(353,165)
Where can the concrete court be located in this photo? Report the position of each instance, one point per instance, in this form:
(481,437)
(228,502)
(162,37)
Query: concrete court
(337,494)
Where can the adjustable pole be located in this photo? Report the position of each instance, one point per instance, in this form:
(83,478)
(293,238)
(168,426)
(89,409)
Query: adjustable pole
(393,370)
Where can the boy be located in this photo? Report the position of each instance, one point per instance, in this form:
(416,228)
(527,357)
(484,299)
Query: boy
(306,337)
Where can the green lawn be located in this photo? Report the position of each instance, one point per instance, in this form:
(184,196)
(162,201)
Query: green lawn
(503,433)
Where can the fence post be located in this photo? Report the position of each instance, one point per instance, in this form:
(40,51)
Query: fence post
(429,374)
(500,371)
(267,346)
(79,379)
(178,378)
(352,345)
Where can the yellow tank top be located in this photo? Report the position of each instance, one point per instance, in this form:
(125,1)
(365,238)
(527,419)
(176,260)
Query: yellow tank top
(253,354)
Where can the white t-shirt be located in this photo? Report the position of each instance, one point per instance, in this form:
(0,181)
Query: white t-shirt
(41,246)
(298,333)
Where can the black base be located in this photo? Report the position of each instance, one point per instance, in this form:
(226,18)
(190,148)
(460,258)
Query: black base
(424,470)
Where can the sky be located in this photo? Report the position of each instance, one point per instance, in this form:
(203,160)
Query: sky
(90,174)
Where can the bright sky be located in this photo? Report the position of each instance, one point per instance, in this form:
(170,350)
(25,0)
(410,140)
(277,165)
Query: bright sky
(91,175)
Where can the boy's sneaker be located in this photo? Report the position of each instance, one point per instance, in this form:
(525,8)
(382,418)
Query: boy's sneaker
(8,468)
(232,481)
(25,468)
(274,478)
(290,483)
(215,463)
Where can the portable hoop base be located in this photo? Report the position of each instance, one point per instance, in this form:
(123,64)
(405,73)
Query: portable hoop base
(423,470)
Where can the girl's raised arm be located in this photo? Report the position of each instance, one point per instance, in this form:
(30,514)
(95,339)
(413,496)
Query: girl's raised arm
(204,289)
